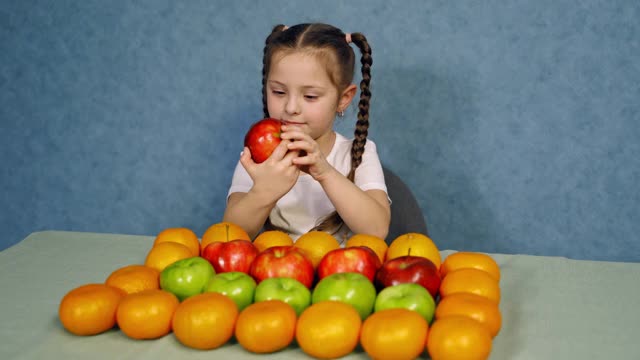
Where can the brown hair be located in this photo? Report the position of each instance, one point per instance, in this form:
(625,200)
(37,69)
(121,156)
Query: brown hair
(330,46)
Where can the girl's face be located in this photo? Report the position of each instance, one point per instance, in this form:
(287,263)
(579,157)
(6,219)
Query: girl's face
(300,93)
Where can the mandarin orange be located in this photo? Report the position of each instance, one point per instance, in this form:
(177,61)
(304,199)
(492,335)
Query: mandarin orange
(272,238)
(224,232)
(328,329)
(479,308)
(205,321)
(180,235)
(134,278)
(466,259)
(458,338)
(165,254)
(146,314)
(470,280)
(414,244)
(394,334)
(266,326)
(378,245)
(316,244)
(90,309)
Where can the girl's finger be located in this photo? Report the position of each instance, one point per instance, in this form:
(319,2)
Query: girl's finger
(245,158)
(293,134)
(302,160)
(289,156)
(280,150)
(303,146)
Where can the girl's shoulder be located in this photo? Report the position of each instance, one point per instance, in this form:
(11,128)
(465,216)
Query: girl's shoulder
(340,156)
(343,143)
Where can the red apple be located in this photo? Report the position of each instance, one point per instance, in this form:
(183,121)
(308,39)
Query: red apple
(235,255)
(262,138)
(360,259)
(410,269)
(283,261)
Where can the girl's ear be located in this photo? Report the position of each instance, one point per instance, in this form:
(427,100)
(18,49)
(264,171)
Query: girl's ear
(346,97)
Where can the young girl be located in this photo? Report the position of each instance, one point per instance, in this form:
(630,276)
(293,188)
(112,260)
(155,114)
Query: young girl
(316,179)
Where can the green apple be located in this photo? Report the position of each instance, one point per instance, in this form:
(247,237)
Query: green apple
(237,285)
(187,277)
(408,296)
(352,288)
(289,290)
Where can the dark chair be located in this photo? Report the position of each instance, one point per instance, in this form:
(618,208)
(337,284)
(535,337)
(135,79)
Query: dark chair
(406,214)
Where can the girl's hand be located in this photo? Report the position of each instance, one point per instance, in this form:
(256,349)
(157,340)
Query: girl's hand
(275,176)
(310,158)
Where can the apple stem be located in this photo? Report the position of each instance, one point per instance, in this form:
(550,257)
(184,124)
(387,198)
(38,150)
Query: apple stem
(226,226)
(409,253)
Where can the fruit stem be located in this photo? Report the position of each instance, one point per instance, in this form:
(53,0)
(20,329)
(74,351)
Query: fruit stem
(226,226)
(409,253)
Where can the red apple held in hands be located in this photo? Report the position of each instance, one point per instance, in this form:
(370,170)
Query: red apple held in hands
(359,259)
(235,255)
(262,138)
(283,261)
(409,269)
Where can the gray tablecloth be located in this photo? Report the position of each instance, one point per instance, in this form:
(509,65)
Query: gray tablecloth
(552,307)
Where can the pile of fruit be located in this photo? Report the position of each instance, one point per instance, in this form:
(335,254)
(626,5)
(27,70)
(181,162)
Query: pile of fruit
(397,301)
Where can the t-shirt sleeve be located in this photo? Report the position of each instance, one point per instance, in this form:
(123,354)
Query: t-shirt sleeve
(241,181)
(369,175)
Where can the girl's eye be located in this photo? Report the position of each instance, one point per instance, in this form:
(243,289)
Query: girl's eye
(277,92)
(310,97)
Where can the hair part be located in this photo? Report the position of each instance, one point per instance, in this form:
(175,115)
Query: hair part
(329,45)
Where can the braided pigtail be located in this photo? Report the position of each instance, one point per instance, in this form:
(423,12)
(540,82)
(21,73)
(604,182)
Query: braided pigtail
(276,30)
(333,223)
(362,124)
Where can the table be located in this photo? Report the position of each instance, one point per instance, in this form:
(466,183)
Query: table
(552,307)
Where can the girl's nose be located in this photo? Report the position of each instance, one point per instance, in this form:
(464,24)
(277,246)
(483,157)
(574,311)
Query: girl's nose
(291,107)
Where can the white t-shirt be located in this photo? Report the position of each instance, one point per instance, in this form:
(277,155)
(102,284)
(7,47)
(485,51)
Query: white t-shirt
(306,204)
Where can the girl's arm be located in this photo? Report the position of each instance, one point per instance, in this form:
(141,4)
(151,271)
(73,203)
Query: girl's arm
(272,179)
(366,212)
(248,210)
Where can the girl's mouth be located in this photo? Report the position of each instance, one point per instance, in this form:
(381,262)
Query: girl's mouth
(286,122)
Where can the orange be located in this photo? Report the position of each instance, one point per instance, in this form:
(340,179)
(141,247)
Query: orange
(394,334)
(465,259)
(223,232)
(328,329)
(315,244)
(373,242)
(272,238)
(183,236)
(474,306)
(205,321)
(266,326)
(134,278)
(414,244)
(90,309)
(165,254)
(458,338)
(146,314)
(470,281)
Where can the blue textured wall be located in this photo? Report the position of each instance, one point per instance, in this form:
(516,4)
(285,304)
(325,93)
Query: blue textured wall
(516,123)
